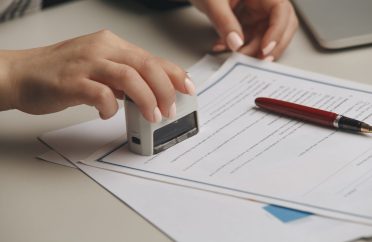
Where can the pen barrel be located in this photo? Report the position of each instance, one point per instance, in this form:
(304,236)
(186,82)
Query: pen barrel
(298,111)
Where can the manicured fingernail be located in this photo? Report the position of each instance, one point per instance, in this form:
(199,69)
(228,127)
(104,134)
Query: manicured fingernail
(157,115)
(234,41)
(189,86)
(269,48)
(270,58)
(172,111)
(219,48)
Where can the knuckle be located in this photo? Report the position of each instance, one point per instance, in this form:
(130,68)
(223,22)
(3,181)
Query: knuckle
(91,50)
(97,44)
(179,73)
(104,34)
(69,75)
(103,94)
(127,73)
(222,17)
(148,62)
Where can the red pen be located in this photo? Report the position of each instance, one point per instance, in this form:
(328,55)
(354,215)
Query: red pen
(313,115)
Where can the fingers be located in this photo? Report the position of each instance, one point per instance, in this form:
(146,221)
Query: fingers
(285,40)
(219,46)
(159,82)
(150,82)
(96,68)
(125,79)
(116,67)
(118,94)
(268,27)
(180,80)
(226,23)
(253,48)
(100,96)
(178,77)
(282,20)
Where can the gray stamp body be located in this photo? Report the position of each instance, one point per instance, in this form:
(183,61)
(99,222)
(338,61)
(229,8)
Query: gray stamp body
(147,138)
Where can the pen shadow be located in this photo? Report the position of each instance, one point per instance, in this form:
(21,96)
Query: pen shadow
(311,124)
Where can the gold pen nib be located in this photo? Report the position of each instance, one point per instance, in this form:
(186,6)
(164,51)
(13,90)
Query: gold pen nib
(365,128)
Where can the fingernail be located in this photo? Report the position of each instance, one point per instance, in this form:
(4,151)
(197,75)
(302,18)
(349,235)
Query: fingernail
(270,58)
(189,86)
(172,111)
(234,41)
(219,48)
(157,115)
(269,48)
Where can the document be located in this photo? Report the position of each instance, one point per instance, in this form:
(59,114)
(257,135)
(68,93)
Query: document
(245,152)
(187,214)
(83,135)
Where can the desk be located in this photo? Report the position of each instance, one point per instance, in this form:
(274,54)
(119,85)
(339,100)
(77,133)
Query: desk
(46,202)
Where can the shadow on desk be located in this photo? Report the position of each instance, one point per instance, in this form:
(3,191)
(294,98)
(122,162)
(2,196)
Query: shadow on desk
(19,148)
(184,26)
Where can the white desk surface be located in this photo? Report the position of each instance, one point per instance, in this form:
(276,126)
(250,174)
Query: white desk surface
(46,202)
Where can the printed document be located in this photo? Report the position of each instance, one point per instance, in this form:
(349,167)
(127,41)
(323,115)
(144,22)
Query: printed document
(246,152)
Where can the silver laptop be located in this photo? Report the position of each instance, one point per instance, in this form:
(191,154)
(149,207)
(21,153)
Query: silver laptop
(337,24)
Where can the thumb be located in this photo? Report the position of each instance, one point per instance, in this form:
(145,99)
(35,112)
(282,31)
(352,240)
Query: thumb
(227,25)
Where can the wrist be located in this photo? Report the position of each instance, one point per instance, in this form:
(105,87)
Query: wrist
(6,91)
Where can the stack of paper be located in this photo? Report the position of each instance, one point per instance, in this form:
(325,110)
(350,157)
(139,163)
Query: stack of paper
(202,190)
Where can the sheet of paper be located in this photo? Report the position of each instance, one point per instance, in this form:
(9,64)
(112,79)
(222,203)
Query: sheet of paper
(236,219)
(81,140)
(53,157)
(205,68)
(187,214)
(286,215)
(245,152)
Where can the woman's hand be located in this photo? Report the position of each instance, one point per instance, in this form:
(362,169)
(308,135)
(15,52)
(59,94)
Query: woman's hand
(92,70)
(259,28)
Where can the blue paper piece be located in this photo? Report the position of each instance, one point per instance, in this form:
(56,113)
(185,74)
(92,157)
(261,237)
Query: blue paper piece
(286,215)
